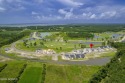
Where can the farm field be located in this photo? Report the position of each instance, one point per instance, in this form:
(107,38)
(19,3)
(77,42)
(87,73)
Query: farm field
(31,75)
(10,71)
(54,73)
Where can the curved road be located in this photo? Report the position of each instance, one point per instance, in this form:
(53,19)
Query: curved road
(95,61)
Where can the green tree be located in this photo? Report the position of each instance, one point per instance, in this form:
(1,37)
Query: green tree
(41,43)
(35,43)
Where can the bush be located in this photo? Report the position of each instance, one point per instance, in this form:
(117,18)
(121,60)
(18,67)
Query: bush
(43,73)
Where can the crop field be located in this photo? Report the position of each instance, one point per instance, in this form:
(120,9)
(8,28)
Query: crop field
(10,71)
(54,73)
(31,75)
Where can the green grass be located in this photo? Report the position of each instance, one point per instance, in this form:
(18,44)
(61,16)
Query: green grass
(66,47)
(31,75)
(11,71)
(1,64)
(20,45)
(54,73)
(108,54)
(69,74)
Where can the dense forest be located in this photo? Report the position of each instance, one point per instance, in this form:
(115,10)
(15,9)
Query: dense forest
(11,36)
(113,72)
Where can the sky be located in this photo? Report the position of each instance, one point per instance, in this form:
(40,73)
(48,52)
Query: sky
(62,11)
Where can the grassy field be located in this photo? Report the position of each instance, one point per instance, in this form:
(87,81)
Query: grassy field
(54,73)
(66,47)
(69,74)
(108,54)
(31,75)
(11,71)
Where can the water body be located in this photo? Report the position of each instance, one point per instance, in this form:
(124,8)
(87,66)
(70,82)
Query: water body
(82,42)
(95,37)
(92,62)
(95,43)
(116,35)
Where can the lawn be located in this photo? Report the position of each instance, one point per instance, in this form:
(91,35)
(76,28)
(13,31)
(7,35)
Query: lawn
(69,74)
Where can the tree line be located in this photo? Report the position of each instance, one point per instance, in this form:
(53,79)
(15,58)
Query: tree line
(14,38)
(113,72)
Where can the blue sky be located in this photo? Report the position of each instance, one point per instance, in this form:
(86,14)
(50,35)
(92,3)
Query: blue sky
(62,11)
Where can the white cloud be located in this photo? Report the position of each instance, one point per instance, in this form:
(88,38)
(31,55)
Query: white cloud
(67,14)
(47,18)
(34,13)
(93,16)
(61,11)
(108,14)
(89,15)
(2,9)
(71,3)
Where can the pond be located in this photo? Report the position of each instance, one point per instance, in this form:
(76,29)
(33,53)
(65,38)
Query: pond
(95,61)
(83,42)
(116,35)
